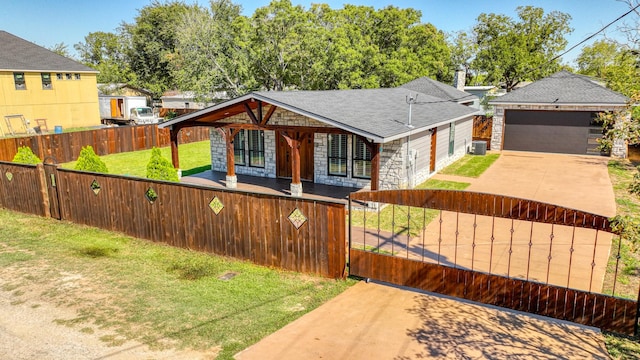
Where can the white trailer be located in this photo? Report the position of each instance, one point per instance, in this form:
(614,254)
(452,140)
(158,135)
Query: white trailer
(126,110)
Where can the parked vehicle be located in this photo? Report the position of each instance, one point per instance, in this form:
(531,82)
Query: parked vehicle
(126,110)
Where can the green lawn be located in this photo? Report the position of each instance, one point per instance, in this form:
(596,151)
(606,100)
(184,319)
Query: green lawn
(195,155)
(155,294)
(396,218)
(621,173)
(470,165)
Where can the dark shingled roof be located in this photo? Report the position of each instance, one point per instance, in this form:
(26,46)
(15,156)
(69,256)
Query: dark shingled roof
(563,88)
(435,88)
(380,114)
(17,54)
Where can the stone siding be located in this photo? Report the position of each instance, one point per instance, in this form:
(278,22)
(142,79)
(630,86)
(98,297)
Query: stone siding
(393,155)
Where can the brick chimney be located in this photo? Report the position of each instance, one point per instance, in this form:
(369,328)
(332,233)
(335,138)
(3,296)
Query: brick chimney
(459,79)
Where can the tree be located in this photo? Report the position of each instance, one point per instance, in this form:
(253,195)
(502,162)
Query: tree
(211,51)
(106,52)
(61,49)
(159,168)
(151,44)
(89,161)
(463,50)
(511,51)
(614,64)
(26,156)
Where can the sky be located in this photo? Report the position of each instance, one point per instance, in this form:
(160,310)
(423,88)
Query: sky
(50,22)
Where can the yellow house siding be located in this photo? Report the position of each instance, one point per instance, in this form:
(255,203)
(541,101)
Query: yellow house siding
(69,103)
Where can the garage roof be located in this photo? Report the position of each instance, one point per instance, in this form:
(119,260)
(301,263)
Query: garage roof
(379,114)
(563,88)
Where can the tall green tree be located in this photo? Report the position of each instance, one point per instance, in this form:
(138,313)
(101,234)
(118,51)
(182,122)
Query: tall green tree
(106,52)
(613,63)
(152,41)
(510,51)
(212,51)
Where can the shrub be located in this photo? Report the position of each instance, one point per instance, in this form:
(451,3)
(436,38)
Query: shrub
(89,161)
(160,168)
(26,156)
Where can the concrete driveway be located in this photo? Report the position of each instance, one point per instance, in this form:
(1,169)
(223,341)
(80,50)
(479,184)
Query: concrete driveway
(375,321)
(573,181)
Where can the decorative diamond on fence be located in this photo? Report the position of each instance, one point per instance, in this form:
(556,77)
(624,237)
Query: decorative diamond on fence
(95,186)
(297,218)
(9,176)
(216,205)
(151,195)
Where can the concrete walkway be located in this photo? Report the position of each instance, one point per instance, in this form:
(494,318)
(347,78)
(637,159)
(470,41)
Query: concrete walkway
(375,321)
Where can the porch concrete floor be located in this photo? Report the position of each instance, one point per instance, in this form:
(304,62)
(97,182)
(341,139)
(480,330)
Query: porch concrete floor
(277,186)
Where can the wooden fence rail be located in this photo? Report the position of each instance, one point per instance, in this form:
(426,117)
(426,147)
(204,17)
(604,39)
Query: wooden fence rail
(66,147)
(296,234)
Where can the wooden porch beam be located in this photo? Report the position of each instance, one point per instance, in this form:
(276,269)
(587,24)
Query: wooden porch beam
(229,136)
(375,167)
(267,117)
(249,112)
(294,141)
(304,129)
(374,148)
(173,136)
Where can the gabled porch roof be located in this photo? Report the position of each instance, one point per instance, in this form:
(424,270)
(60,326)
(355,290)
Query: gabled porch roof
(377,114)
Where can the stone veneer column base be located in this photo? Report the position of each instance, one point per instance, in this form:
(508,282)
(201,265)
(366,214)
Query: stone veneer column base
(232,182)
(296,190)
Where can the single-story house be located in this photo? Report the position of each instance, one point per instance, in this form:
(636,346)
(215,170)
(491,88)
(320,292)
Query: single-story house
(123,89)
(556,114)
(173,99)
(375,138)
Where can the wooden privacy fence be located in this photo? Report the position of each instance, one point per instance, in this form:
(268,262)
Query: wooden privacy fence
(482,129)
(279,231)
(504,251)
(66,147)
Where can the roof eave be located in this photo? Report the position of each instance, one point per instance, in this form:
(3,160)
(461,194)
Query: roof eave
(427,127)
(554,104)
(56,71)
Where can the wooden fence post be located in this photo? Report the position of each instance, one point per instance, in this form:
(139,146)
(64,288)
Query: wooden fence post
(44,191)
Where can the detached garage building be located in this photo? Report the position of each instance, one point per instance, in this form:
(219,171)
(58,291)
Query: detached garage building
(555,115)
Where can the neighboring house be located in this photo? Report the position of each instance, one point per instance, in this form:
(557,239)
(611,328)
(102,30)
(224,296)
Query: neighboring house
(352,138)
(440,90)
(186,100)
(40,84)
(122,89)
(482,92)
(555,114)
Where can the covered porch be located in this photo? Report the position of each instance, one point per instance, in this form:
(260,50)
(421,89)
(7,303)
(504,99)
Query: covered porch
(294,153)
(280,186)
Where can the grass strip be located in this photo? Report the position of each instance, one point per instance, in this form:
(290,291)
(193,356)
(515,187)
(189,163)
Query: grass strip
(152,293)
(196,155)
(400,219)
(470,165)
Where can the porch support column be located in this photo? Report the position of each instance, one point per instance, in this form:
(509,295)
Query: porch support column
(231,178)
(375,166)
(294,144)
(173,136)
